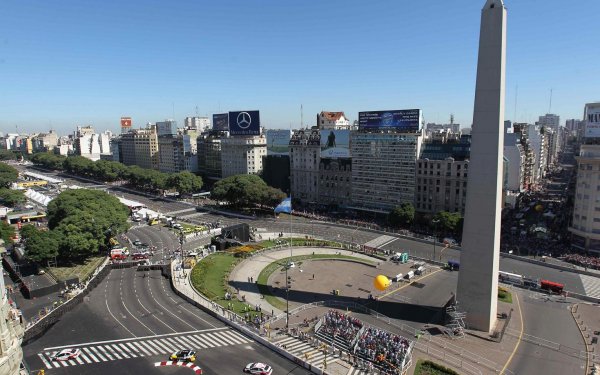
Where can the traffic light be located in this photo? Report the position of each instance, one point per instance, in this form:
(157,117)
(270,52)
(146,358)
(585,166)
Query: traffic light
(289,281)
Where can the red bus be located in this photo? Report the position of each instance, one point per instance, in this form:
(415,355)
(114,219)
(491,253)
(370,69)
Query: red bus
(551,286)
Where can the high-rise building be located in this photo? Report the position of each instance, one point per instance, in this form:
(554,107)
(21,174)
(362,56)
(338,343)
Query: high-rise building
(11,333)
(383,168)
(45,141)
(332,121)
(209,155)
(167,127)
(549,120)
(242,155)
(335,182)
(200,124)
(572,125)
(305,156)
(441,180)
(585,228)
(170,153)
(477,290)
(140,147)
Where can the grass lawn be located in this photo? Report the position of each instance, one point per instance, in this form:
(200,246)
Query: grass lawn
(210,277)
(504,295)
(263,277)
(425,367)
(83,271)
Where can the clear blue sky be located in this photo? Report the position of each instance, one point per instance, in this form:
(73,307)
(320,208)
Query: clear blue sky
(68,63)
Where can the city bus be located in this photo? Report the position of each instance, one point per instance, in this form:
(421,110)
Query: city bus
(551,286)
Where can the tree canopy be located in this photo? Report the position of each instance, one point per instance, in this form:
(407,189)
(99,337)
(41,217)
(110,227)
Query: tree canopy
(84,220)
(11,198)
(8,175)
(48,160)
(184,182)
(8,155)
(41,245)
(6,232)
(245,191)
(402,216)
(448,222)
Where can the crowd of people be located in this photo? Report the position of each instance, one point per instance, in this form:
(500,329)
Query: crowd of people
(583,261)
(336,323)
(385,349)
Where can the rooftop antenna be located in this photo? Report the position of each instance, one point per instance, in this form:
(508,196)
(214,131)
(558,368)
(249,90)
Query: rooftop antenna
(173,110)
(550,106)
(301,117)
(197,112)
(452,119)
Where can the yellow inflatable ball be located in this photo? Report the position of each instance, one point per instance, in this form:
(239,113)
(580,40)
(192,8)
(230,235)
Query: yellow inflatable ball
(539,208)
(381,282)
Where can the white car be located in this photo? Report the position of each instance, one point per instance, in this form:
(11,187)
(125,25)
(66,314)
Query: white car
(66,355)
(258,369)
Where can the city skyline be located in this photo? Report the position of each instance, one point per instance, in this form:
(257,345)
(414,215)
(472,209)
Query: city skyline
(79,65)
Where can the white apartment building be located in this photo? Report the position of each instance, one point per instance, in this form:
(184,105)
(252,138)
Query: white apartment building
(305,157)
(333,121)
(515,154)
(242,155)
(200,124)
(383,169)
(585,226)
(549,120)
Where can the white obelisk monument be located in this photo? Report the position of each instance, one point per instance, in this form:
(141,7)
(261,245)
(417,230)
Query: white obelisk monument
(478,276)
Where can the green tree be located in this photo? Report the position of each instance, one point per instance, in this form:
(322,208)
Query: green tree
(7,232)
(8,175)
(402,216)
(272,196)
(27,231)
(245,191)
(41,246)
(7,155)
(84,219)
(11,197)
(184,182)
(48,160)
(79,165)
(447,222)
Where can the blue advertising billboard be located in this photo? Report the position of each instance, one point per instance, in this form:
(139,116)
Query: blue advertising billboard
(221,121)
(335,143)
(404,119)
(244,123)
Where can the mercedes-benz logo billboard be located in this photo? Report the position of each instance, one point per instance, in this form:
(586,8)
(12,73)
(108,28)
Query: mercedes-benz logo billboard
(244,120)
(244,123)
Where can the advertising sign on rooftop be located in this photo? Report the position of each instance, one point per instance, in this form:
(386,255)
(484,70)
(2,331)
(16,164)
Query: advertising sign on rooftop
(592,120)
(278,141)
(335,143)
(408,120)
(221,122)
(244,123)
(125,122)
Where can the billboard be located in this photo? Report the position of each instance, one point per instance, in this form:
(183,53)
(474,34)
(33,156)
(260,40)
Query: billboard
(125,122)
(408,120)
(592,120)
(221,121)
(244,123)
(278,141)
(335,143)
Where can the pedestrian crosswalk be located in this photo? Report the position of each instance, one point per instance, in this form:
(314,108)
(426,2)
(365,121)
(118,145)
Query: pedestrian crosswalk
(380,241)
(305,351)
(104,351)
(591,285)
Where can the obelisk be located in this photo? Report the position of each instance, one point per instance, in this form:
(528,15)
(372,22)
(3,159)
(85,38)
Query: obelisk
(477,290)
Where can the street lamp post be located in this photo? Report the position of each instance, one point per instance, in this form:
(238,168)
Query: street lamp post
(287,297)
(435,222)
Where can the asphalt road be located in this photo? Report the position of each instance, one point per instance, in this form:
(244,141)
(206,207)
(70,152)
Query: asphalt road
(552,343)
(133,319)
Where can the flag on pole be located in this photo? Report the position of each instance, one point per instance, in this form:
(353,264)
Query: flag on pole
(284,206)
